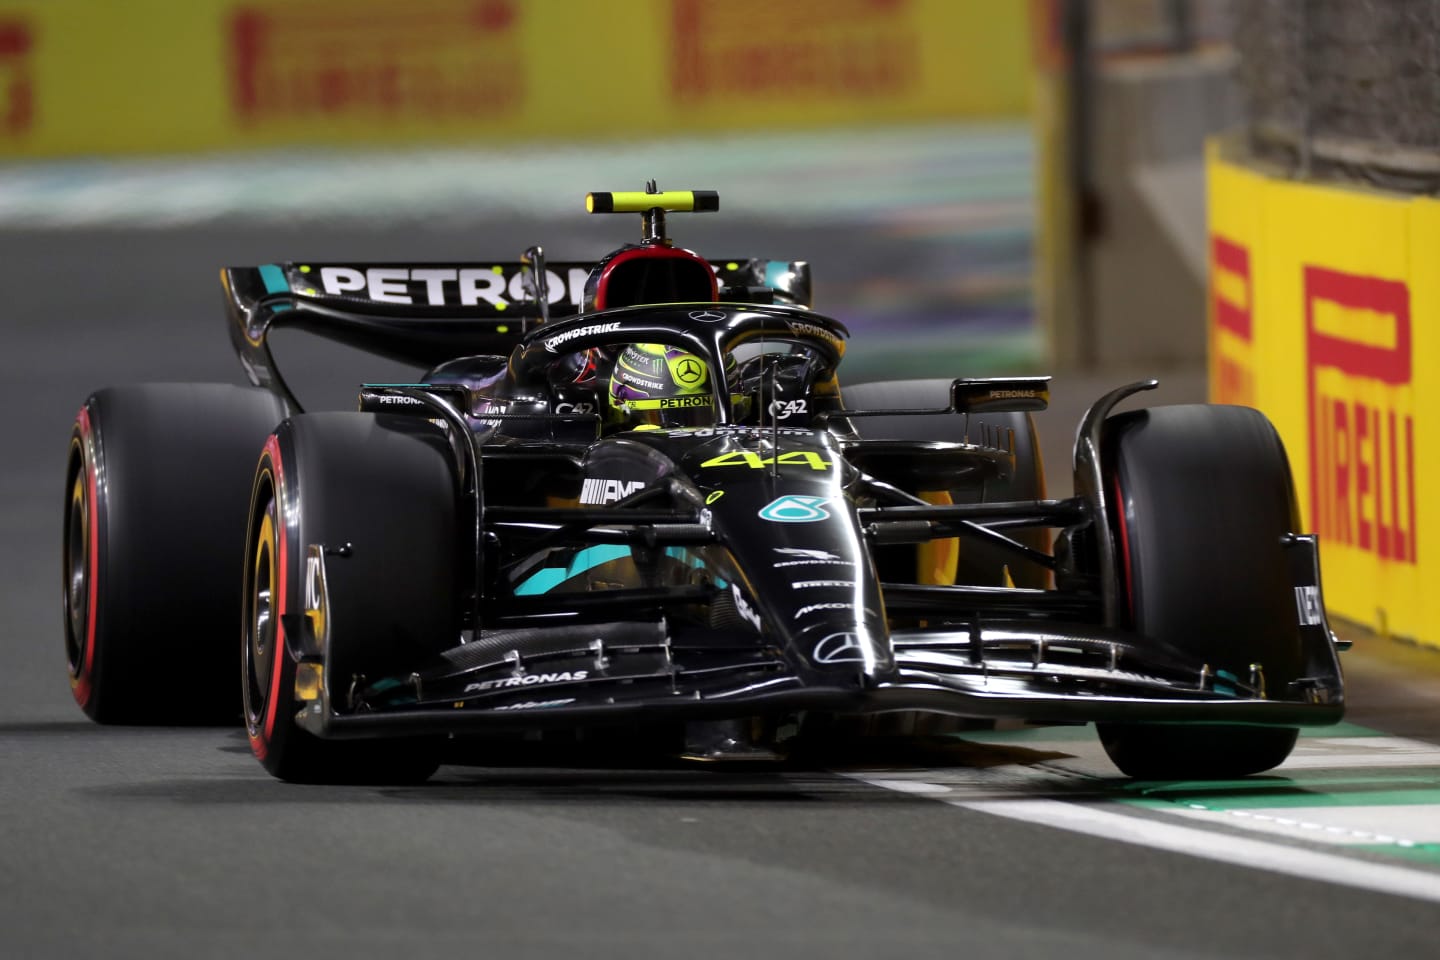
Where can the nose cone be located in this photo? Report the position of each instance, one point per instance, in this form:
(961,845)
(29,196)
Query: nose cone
(776,499)
(784,516)
(812,582)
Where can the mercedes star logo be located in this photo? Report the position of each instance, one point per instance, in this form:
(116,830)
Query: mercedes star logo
(839,648)
(706,315)
(689,371)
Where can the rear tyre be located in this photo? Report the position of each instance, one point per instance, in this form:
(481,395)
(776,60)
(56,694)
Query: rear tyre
(157,480)
(979,563)
(1202,497)
(385,487)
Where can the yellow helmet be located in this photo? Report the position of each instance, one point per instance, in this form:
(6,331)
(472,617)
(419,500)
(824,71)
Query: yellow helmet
(660,386)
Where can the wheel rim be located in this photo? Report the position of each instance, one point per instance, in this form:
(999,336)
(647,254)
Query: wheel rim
(261,619)
(77,573)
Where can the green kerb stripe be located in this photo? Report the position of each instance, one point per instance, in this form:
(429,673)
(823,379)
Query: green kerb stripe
(1427,853)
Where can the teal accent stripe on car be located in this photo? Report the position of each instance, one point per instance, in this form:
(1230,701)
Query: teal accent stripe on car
(543,581)
(775,271)
(548,578)
(274,279)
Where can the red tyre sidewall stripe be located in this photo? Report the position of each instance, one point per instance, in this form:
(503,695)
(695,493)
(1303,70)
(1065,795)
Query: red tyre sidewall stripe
(261,744)
(82,686)
(282,538)
(1124,537)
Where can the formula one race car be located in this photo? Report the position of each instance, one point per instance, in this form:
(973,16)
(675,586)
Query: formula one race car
(634,493)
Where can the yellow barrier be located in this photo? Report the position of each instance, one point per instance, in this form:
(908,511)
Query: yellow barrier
(1324,307)
(93,76)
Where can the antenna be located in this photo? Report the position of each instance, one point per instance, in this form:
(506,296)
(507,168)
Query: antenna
(652,221)
(532,270)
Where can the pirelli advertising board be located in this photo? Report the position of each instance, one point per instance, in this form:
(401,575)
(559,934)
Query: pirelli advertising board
(91,76)
(1323,313)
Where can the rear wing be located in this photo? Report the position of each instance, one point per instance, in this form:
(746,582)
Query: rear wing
(427,313)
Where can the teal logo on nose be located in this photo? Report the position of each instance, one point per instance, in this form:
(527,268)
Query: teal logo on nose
(795,509)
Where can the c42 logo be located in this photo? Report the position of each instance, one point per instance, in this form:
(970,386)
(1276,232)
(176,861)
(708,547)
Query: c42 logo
(785,409)
(748,458)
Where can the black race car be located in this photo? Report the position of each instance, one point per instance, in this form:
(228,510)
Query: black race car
(634,493)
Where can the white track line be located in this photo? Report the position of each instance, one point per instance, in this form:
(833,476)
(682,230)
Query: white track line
(1405,825)
(1093,820)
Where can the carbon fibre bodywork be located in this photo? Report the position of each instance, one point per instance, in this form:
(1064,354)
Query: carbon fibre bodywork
(634,492)
(751,568)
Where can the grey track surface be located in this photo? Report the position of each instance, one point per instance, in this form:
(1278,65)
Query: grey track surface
(167,842)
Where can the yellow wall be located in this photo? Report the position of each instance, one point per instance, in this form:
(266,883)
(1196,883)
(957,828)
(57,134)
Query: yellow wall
(1057,264)
(1324,310)
(97,76)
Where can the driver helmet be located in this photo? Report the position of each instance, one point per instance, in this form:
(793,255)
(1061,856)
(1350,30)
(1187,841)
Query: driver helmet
(653,385)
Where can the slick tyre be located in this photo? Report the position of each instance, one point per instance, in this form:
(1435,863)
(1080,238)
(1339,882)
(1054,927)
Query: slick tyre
(375,497)
(979,563)
(156,485)
(1201,498)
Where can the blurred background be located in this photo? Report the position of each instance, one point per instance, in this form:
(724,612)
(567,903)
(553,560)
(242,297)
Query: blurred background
(913,150)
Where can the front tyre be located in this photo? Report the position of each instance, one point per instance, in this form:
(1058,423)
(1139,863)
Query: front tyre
(1198,752)
(1203,498)
(387,495)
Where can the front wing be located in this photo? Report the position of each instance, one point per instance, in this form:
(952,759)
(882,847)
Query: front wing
(612,672)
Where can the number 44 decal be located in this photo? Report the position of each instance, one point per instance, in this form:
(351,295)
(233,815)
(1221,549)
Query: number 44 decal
(754,461)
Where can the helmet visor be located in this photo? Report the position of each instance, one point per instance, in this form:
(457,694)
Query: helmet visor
(691,410)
